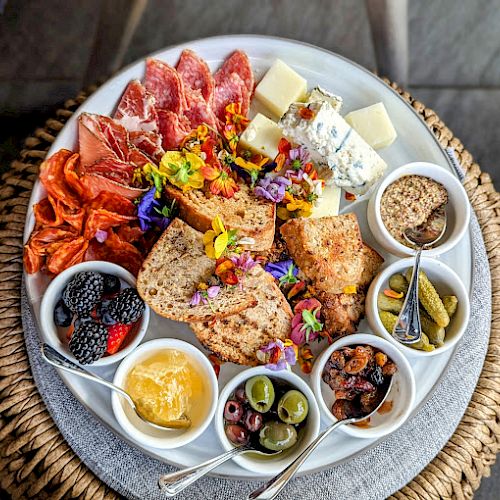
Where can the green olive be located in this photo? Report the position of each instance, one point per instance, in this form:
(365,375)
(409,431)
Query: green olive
(260,393)
(293,407)
(277,436)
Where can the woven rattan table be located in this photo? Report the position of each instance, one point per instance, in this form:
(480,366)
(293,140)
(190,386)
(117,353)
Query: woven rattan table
(35,461)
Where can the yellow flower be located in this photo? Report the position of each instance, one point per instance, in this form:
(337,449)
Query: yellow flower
(216,239)
(302,207)
(257,164)
(182,169)
(350,289)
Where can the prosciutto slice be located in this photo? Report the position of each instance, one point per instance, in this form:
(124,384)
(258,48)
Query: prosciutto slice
(195,74)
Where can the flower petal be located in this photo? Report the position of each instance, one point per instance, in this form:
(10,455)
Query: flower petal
(220,244)
(218,225)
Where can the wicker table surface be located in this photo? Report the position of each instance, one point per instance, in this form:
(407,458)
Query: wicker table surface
(36,462)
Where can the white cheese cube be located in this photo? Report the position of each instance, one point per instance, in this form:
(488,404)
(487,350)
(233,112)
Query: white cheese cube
(373,125)
(320,94)
(280,87)
(261,136)
(329,203)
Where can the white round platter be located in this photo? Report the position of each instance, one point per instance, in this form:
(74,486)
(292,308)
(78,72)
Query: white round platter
(359,88)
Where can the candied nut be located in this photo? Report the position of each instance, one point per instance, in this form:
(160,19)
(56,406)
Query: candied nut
(356,364)
(337,359)
(389,369)
(381,358)
(343,394)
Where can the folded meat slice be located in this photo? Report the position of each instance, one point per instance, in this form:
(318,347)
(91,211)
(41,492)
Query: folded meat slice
(94,184)
(198,111)
(229,89)
(149,143)
(136,109)
(196,74)
(172,128)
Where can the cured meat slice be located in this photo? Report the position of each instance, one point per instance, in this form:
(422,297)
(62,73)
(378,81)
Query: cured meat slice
(46,240)
(238,63)
(32,261)
(149,143)
(136,110)
(71,176)
(196,74)
(53,179)
(101,137)
(112,168)
(95,184)
(165,85)
(132,234)
(198,111)
(46,213)
(101,220)
(69,254)
(73,217)
(229,89)
(113,202)
(172,128)
(137,157)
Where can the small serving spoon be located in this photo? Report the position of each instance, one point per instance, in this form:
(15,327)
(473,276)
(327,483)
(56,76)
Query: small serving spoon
(173,483)
(408,329)
(272,488)
(54,358)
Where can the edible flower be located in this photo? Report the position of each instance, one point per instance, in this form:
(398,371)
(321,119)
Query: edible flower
(152,213)
(389,292)
(278,355)
(349,196)
(305,324)
(297,158)
(216,363)
(244,262)
(225,269)
(284,271)
(221,180)
(272,188)
(217,239)
(305,358)
(350,289)
(182,169)
(295,207)
(296,289)
(101,236)
(204,296)
(235,124)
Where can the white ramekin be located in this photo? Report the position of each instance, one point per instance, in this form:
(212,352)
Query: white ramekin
(140,431)
(402,391)
(446,282)
(458,209)
(52,295)
(269,466)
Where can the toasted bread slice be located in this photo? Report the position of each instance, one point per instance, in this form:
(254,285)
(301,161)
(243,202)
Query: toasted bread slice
(251,216)
(171,272)
(372,260)
(237,338)
(342,312)
(327,250)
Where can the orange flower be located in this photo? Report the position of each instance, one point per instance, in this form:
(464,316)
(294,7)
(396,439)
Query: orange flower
(225,270)
(221,180)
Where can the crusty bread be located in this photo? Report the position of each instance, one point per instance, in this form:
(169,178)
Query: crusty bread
(327,250)
(372,260)
(171,272)
(237,338)
(249,215)
(341,311)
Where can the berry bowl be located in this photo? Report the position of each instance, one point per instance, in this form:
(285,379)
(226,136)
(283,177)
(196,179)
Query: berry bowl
(105,340)
(285,383)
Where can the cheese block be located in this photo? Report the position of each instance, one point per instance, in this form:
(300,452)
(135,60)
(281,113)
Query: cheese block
(320,94)
(262,136)
(373,125)
(329,203)
(342,157)
(280,87)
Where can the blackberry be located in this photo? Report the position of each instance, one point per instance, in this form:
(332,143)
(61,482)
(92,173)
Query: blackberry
(103,313)
(83,292)
(88,342)
(127,307)
(62,315)
(111,284)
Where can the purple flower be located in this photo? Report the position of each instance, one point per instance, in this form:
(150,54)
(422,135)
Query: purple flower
(244,262)
(203,296)
(101,236)
(213,291)
(272,188)
(152,213)
(285,271)
(196,299)
(278,355)
(297,158)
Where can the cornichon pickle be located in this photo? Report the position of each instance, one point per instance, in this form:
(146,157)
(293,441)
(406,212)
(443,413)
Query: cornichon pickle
(390,304)
(398,283)
(388,320)
(423,344)
(450,304)
(430,299)
(435,333)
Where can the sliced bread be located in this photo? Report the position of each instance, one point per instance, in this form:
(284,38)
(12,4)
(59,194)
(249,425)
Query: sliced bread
(251,216)
(372,261)
(237,338)
(171,272)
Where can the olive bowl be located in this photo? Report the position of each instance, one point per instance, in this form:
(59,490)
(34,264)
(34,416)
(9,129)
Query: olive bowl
(261,464)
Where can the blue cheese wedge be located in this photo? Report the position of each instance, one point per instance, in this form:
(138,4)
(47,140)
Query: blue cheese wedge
(261,136)
(280,87)
(328,204)
(343,158)
(320,94)
(373,125)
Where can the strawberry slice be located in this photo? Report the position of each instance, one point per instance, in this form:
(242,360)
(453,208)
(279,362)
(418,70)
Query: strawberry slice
(116,335)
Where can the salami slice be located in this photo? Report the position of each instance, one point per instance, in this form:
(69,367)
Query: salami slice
(198,111)
(238,63)
(149,143)
(165,85)
(113,202)
(229,89)
(102,219)
(136,110)
(46,213)
(69,254)
(172,128)
(196,74)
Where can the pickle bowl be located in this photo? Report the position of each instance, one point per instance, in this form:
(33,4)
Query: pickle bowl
(401,396)
(445,281)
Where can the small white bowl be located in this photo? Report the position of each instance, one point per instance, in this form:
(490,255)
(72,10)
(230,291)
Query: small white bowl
(269,466)
(446,282)
(139,430)
(457,210)
(402,391)
(53,293)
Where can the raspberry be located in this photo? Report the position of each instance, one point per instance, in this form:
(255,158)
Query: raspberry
(116,335)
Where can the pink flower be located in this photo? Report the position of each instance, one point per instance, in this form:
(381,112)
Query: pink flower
(305,324)
(244,262)
(204,296)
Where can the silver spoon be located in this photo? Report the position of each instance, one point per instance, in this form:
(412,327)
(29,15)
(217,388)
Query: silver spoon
(173,483)
(408,329)
(272,488)
(56,359)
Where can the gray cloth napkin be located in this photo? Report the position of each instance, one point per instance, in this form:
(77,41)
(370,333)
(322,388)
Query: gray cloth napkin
(374,474)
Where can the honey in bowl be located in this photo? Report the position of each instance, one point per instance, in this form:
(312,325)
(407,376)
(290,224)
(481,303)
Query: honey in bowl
(168,389)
